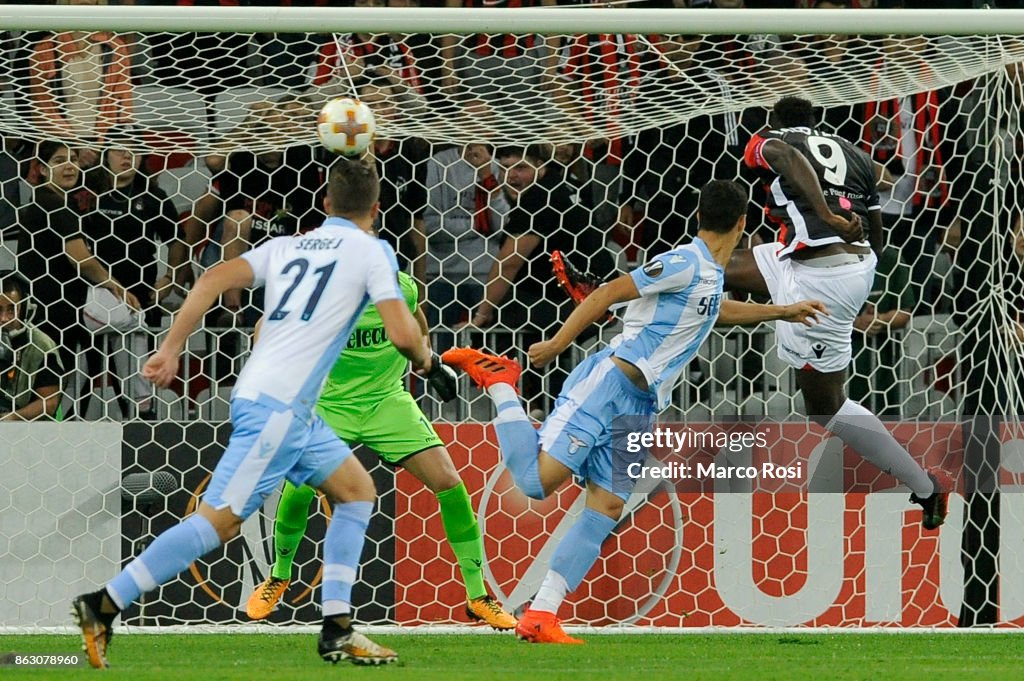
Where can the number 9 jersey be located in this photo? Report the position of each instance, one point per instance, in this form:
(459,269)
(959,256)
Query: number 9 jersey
(846,174)
(317,285)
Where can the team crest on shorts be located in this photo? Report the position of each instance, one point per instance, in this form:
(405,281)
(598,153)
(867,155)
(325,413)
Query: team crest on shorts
(575,443)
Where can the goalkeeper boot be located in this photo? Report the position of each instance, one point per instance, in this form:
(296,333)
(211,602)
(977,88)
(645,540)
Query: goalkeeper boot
(934,507)
(96,628)
(484,369)
(577,284)
(348,644)
(489,611)
(537,626)
(264,599)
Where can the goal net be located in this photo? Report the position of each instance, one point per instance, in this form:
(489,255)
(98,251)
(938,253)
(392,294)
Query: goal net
(165,152)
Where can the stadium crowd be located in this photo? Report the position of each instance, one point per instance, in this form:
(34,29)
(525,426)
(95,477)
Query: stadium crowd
(106,239)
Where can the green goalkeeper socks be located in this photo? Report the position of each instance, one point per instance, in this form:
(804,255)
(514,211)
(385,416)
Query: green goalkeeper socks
(464,537)
(289,526)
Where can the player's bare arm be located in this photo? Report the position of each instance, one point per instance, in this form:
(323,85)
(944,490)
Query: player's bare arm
(791,164)
(875,225)
(592,309)
(162,367)
(736,313)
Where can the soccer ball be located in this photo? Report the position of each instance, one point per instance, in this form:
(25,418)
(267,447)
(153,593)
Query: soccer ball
(346,126)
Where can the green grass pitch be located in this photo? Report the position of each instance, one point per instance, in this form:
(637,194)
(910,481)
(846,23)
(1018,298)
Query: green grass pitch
(292,657)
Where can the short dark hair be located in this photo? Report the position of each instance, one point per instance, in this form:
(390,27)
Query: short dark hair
(722,203)
(539,154)
(12,281)
(794,112)
(353,187)
(45,150)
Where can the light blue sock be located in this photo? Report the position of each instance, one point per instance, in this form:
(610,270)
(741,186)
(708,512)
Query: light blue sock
(343,545)
(170,553)
(581,546)
(517,439)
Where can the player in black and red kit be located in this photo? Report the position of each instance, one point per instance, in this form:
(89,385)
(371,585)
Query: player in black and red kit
(820,189)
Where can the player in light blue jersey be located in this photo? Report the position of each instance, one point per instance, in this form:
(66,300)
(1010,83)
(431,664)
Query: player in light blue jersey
(316,287)
(674,300)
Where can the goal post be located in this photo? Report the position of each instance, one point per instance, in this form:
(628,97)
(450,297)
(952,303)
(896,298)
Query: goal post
(631,111)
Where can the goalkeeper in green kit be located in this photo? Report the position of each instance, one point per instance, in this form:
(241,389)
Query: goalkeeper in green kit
(364,401)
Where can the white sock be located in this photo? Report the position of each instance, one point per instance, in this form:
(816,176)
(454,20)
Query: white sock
(861,430)
(552,593)
(502,393)
(336,608)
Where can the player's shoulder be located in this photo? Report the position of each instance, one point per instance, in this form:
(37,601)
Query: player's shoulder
(681,258)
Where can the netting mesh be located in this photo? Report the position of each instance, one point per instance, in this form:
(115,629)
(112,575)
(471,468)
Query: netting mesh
(164,154)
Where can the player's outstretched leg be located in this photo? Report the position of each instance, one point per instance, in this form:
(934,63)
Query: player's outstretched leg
(578,550)
(824,393)
(868,436)
(289,528)
(517,438)
(170,553)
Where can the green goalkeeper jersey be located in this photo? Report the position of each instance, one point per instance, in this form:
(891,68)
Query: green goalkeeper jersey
(370,367)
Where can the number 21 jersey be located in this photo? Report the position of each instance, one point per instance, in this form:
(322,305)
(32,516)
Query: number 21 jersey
(317,285)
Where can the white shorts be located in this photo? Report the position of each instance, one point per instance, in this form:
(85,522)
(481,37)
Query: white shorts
(843,289)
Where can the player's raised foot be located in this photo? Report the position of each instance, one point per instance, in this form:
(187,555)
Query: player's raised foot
(489,611)
(934,507)
(96,628)
(577,284)
(264,599)
(537,626)
(484,369)
(354,647)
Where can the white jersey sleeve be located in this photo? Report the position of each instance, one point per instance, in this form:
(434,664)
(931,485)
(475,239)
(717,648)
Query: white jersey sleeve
(382,275)
(668,272)
(259,260)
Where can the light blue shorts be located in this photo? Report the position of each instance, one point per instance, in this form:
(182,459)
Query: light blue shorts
(596,401)
(268,443)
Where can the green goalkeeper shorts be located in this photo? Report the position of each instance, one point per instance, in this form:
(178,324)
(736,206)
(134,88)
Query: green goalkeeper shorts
(394,427)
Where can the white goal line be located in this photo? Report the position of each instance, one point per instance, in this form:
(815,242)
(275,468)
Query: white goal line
(470,630)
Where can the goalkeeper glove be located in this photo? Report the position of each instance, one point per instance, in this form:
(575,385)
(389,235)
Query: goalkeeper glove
(442,380)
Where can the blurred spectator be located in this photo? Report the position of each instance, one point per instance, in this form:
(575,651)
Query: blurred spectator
(54,256)
(80,85)
(465,208)
(208,63)
(666,166)
(286,57)
(402,167)
(520,292)
(908,136)
(132,215)
(508,72)
(601,75)
(30,366)
(254,197)
(594,172)
(347,57)
(876,354)
(14,153)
